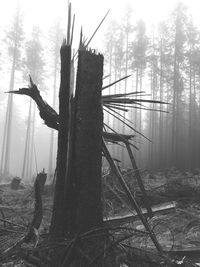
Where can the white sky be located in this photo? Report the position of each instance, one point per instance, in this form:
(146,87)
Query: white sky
(90,12)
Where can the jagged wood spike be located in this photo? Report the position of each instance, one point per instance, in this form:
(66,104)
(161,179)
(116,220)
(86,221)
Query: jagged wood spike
(72,31)
(121,95)
(111,84)
(152,101)
(48,111)
(132,128)
(97,29)
(127,124)
(133,101)
(149,109)
(120,115)
(31,81)
(119,108)
(81,40)
(69,24)
(81,44)
(120,136)
(120,120)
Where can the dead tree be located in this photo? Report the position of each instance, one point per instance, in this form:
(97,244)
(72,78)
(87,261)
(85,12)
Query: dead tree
(88,144)
(77,200)
(57,223)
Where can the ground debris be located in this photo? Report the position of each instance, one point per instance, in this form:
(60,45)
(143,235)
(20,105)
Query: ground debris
(177,230)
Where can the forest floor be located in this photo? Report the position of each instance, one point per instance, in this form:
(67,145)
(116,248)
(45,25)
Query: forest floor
(177,229)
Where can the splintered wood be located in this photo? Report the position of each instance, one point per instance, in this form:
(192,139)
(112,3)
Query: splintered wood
(88,132)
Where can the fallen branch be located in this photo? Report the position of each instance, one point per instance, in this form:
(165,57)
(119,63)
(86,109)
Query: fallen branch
(11,223)
(131,197)
(35,224)
(31,259)
(38,212)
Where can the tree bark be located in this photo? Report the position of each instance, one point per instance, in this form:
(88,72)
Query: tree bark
(57,223)
(88,141)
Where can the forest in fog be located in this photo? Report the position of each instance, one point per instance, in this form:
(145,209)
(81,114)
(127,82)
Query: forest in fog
(163,61)
(100,133)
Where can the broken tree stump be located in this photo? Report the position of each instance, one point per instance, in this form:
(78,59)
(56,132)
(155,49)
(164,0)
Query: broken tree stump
(42,177)
(38,211)
(88,140)
(15,184)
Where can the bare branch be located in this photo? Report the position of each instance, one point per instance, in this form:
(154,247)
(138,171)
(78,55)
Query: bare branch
(47,113)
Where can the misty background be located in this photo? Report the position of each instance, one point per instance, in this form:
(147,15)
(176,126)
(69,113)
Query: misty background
(156,42)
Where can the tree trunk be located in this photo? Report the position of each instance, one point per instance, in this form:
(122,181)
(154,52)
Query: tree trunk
(88,140)
(5,157)
(57,223)
(32,146)
(25,167)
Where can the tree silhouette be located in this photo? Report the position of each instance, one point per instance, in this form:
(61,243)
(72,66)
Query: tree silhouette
(14,38)
(34,65)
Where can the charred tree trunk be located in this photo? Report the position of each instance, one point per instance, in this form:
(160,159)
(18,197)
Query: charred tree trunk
(88,146)
(77,200)
(57,224)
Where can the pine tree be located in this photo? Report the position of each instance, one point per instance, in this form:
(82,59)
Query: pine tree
(14,39)
(164,73)
(34,65)
(192,66)
(138,54)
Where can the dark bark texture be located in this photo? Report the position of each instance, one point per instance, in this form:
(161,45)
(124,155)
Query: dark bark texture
(57,223)
(88,144)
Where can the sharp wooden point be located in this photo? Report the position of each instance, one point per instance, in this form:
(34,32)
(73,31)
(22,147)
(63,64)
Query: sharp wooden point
(97,28)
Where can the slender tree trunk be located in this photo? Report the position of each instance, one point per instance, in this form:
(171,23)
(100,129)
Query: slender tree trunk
(140,120)
(190,114)
(161,132)
(4,140)
(126,73)
(168,132)
(195,140)
(153,133)
(30,172)
(27,145)
(175,105)
(8,129)
(136,89)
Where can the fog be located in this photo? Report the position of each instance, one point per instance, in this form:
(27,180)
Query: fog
(156,42)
